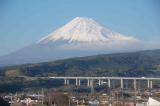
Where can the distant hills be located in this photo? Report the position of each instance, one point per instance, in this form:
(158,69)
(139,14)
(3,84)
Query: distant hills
(139,64)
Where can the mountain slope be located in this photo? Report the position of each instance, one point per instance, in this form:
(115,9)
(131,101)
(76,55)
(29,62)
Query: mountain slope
(80,37)
(137,64)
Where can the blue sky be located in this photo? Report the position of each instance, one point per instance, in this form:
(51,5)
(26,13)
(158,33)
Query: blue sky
(22,22)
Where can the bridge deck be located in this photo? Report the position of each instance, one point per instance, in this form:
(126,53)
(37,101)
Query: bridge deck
(112,78)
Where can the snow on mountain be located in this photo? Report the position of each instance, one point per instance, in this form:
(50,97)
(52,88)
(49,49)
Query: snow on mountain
(80,37)
(83,29)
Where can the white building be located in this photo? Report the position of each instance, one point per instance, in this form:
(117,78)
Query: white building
(93,103)
(153,102)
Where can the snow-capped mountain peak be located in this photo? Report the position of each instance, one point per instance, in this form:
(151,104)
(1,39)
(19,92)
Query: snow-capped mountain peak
(82,29)
(80,37)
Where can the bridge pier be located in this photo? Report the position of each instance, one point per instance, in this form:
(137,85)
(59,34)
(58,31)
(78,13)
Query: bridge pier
(79,82)
(99,82)
(66,81)
(76,82)
(148,83)
(121,83)
(151,84)
(88,82)
(109,83)
(135,86)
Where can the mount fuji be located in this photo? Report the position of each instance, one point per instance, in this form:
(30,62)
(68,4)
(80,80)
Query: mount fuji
(80,37)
